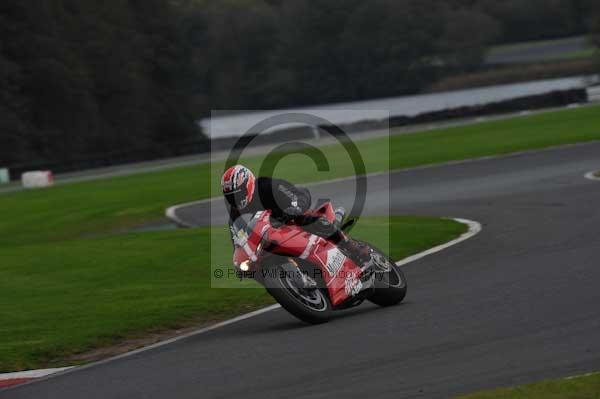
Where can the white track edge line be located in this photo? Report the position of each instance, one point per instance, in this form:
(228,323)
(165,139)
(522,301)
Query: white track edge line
(573,377)
(592,176)
(474,228)
(171,212)
(31,373)
(203,330)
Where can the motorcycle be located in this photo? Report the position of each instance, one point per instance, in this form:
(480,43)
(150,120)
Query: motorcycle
(311,276)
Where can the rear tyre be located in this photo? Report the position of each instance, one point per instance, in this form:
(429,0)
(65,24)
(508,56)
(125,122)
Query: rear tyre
(309,305)
(390,283)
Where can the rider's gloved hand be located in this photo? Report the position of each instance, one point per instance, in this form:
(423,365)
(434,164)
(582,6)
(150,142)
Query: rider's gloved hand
(292,212)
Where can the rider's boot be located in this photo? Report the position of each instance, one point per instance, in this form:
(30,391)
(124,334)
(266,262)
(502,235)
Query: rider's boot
(361,252)
(340,213)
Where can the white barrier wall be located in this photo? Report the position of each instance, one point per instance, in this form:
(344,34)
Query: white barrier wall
(4,176)
(38,178)
(593,93)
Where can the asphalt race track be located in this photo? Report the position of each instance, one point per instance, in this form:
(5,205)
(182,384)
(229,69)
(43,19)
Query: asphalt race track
(517,303)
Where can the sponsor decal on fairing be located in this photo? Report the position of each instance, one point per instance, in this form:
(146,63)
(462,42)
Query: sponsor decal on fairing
(352,284)
(335,261)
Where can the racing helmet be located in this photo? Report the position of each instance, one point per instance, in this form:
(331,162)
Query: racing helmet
(238,186)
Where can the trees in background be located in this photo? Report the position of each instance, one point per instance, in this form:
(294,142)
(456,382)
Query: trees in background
(126,79)
(271,53)
(84,79)
(537,19)
(263,54)
(594,36)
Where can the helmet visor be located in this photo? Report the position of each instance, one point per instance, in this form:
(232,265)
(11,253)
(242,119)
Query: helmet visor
(238,199)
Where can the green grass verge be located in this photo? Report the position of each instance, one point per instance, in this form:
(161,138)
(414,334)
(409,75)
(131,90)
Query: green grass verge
(597,174)
(507,49)
(63,298)
(583,53)
(585,387)
(101,206)
(529,44)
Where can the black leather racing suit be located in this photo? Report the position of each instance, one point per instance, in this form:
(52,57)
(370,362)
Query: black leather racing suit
(285,201)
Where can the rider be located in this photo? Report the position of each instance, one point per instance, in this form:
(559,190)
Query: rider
(246,194)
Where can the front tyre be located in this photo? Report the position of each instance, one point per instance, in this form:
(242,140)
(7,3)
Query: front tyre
(309,305)
(390,282)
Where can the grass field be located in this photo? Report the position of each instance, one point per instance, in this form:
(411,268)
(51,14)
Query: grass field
(583,53)
(583,50)
(70,211)
(585,387)
(62,298)
(72,278)
(531,44)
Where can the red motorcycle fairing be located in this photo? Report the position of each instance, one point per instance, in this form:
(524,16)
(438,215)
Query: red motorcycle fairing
(340,273)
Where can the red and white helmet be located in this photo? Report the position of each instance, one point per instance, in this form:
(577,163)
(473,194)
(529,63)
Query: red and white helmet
(238,186)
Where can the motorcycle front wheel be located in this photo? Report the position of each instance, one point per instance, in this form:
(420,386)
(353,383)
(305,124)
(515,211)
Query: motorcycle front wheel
(390,282)
(309,305)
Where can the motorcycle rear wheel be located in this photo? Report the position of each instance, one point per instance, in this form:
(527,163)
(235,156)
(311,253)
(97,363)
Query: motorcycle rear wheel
(311,306)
